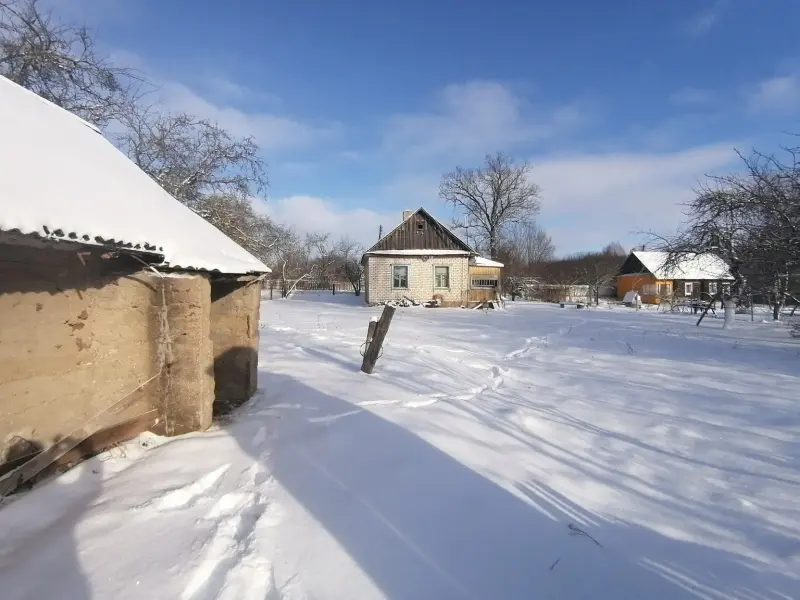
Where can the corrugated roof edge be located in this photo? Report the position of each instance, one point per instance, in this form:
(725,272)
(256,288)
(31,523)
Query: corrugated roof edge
(154,251)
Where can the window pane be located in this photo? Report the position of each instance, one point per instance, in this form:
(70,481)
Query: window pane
(442,277)
(400,277)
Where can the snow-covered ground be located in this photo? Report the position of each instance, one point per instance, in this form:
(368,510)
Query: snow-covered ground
(536,452)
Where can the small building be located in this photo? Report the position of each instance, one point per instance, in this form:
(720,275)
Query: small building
(116,300)
(422,260)
(695,277)
(485,278)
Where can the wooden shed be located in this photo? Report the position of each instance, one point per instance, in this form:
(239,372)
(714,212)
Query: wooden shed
(486,279)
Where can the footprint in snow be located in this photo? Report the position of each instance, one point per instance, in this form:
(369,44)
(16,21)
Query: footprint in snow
(377,402)
(328,419)
(260,437)
(231,568)
(189,494)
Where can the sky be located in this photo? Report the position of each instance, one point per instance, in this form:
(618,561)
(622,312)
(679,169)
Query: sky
(622,106)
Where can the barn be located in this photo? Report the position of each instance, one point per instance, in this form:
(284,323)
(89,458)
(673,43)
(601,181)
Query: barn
(118,304)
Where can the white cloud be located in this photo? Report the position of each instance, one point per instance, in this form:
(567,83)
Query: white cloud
(704,21)
(591,200)
(310,214)
(776,95)
(472,119)
(272,132)
(690,96)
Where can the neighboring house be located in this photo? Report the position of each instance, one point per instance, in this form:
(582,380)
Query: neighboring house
(421,259)
(116,300)
(697,276)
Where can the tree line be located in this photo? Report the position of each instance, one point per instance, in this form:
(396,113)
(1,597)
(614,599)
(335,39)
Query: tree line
(197,161)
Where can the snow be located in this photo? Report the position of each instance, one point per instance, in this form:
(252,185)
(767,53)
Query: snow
(485,262)
(535,452)
(62,179)
(694,266)
(428,252)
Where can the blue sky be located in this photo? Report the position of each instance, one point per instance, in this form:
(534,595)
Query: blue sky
(359,105)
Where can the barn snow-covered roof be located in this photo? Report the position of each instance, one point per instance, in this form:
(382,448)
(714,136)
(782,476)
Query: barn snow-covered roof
(61,179)
(486,262)
(693,266)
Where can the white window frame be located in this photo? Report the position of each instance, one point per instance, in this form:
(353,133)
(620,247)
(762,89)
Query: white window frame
(408,277)
(436,277)
(688,288)
(712,288)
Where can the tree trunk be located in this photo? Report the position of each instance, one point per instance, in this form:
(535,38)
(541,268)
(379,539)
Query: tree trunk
(730,312)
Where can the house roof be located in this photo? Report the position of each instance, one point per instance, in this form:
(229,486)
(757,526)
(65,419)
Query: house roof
(693,266)
(413,252)
(485,262)
(441,238)
(61,179)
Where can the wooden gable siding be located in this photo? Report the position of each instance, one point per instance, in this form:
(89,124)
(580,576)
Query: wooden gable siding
(632,265)
(420,232)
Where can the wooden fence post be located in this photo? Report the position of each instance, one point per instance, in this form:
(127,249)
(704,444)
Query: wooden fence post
(374,346)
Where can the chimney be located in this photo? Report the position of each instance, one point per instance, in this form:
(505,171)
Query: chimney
(407,213)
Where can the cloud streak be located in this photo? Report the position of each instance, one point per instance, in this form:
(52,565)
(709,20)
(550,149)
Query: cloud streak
(776,95)
(473,118)
(703,22)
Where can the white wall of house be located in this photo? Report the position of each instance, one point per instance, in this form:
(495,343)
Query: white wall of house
(421,284)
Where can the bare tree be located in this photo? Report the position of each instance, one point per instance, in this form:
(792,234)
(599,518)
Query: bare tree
(237,218)
(60,63)
(493,197)
(192,158)
(525,244)
(751,219)
(616,249)
(348,256)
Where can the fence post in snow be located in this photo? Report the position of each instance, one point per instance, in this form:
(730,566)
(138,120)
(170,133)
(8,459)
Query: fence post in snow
(378,332)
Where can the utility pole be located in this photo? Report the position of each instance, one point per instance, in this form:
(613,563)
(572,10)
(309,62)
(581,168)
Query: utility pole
(380,232)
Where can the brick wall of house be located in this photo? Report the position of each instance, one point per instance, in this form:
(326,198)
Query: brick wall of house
(421,280)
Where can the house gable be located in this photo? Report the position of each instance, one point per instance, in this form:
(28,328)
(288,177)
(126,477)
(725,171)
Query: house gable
(633,266)
(420,231)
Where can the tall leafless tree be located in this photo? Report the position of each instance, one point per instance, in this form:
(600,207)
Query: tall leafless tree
(60,63)
(492,198)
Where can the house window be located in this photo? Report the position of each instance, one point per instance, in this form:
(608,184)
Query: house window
(400,277)
(484,283)
(688,289)
(420,226)
(442,276)
(712,288)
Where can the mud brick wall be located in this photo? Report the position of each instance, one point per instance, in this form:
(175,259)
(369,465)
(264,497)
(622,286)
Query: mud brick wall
(80,331)
(76,333)
(235,307)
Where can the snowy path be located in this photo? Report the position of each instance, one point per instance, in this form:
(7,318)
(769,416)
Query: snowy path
(531,453)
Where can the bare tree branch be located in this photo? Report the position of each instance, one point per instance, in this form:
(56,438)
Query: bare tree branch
(60,63)
(493,197)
